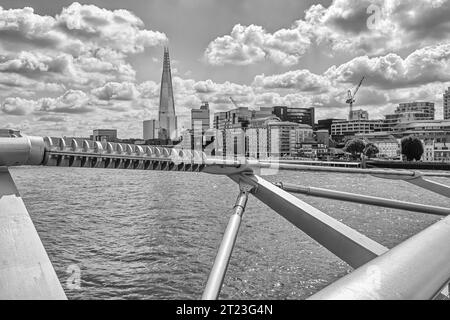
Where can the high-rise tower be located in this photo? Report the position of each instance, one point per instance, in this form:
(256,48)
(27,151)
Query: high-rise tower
(167,118)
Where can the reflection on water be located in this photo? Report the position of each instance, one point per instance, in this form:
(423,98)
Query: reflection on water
(154,235)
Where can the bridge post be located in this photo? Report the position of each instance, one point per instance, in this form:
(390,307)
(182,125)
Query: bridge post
(219,269)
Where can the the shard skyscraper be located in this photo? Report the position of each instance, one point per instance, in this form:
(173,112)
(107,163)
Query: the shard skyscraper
(167,118)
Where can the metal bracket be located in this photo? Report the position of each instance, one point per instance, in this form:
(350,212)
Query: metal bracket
(246,187)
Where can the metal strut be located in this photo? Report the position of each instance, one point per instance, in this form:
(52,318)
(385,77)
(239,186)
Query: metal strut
(219,269)
(358,198)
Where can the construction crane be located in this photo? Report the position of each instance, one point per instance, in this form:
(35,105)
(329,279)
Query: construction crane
(351,99)
(234,102)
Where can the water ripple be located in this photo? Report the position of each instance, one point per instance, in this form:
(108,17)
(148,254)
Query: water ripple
(154,235)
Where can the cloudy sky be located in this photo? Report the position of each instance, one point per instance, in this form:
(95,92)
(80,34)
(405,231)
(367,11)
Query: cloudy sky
(69,67)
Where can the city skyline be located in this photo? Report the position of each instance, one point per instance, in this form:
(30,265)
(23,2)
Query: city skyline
(66,68)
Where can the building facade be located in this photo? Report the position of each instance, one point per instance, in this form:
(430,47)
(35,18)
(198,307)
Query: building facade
(257,137)
(441,152)
(236,118)
(409,112)
(437,130)
(447,104)
(201,117)
(235,143)
(151,129)
(360,115)
(323,137)
(295,115)
(351,128)
(257,143)
(104,135)
(262,113)
(285,137)
(326,124)
(435,151)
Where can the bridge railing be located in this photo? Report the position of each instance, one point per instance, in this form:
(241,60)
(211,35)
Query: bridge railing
(416,269)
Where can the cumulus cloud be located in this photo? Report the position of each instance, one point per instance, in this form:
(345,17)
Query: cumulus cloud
(116,91)
(18,106)
(119,30)
(250,44)
(83,47)
(429,64)
(52,119)
(78,28)
(299,79)
(355,27)
(149,89)
(71,102)
(29,62)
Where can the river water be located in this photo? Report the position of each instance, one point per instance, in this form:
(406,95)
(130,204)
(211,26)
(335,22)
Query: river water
(154,235)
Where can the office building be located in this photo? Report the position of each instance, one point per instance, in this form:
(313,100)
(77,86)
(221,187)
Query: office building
(201,117)
(235,143)
(257,143)
(360,115)
(441,152)
(351,128)
(151,129)
(409,112)
(323,137)
(447,104)
(262,113)
(437,130)
(325,124)
(257,136)
(105,135)
(295,115)
(284,137)
(236,118)
(435,151)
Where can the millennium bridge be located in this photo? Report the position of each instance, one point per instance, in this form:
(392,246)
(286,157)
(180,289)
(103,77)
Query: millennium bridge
(418,268)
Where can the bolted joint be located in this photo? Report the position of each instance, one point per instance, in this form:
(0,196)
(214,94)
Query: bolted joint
(37,151)
(241,201)
(246,187)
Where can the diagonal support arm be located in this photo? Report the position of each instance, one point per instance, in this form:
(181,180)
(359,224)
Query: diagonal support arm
(346,243)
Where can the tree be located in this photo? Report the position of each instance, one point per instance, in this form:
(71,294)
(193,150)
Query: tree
(355,147)
(412,148)
(371,150)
